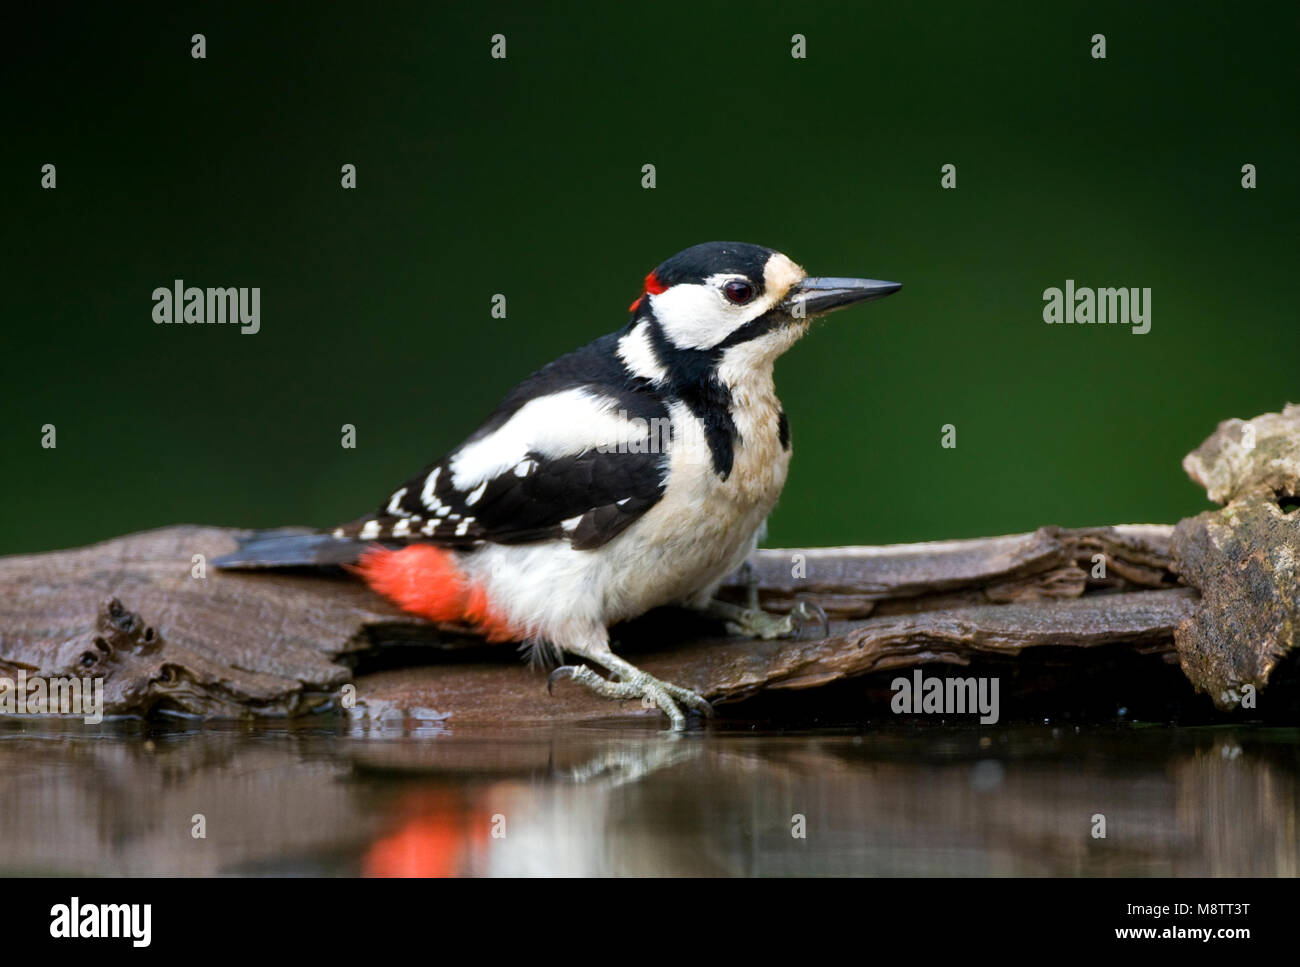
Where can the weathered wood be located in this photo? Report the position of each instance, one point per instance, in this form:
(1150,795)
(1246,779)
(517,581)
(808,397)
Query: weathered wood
(228,643)
(167,635)
(729,669)
(1051,562)
(1245,558)
(1250,458)
(225,644)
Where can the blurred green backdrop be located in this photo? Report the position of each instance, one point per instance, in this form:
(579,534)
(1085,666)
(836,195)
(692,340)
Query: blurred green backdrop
(522,176)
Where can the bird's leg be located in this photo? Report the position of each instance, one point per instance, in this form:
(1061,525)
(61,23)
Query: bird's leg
(751,586)
(751,621)
(631,682)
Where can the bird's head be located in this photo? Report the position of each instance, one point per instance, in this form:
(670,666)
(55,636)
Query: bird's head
(731,298)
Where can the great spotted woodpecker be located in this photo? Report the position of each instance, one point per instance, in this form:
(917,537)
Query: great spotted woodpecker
(635,472)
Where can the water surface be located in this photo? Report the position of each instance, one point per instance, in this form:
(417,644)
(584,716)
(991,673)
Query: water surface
(318,799)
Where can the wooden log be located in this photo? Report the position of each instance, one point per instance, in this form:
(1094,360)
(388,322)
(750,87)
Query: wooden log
(165,633)
(169,636)
(730,669)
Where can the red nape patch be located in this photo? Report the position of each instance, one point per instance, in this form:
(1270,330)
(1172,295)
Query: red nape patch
(425,580)
(652,287)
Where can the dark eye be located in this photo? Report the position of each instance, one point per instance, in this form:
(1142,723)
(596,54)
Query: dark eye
(738,291)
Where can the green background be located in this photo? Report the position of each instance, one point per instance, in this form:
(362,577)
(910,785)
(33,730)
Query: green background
(522,176)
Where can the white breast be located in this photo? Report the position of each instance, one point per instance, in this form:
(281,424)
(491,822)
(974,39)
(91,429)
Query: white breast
(702,529)
(705,526)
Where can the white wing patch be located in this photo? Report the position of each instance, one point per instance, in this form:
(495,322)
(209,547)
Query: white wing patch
(559,425)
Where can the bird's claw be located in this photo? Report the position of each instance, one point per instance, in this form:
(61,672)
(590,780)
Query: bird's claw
(663,695)
(757,623)
(564,671)
(805,612)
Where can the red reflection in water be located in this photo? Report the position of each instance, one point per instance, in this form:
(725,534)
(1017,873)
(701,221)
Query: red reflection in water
(435,840)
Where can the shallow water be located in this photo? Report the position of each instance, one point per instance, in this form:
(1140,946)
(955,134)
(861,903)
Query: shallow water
(313,800)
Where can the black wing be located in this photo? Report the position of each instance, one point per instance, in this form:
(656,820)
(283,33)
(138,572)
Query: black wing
(587,491)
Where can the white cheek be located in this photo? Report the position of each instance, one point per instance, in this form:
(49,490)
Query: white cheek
(692,316)
(699,317)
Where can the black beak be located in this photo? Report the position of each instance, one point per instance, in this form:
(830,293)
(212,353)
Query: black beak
(813,297)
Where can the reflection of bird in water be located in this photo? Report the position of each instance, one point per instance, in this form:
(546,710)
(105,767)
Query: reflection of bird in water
(620,763)
(437,838)
(502,830)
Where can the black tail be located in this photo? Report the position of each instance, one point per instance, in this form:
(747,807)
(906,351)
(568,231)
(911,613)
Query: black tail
(292,547)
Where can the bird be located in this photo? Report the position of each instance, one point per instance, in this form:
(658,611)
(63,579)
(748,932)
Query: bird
(635,472)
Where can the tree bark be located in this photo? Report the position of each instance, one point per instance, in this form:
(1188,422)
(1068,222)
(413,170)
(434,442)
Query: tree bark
(1217,594)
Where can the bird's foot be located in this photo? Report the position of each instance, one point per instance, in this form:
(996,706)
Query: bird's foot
(754,622)
(634,683)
